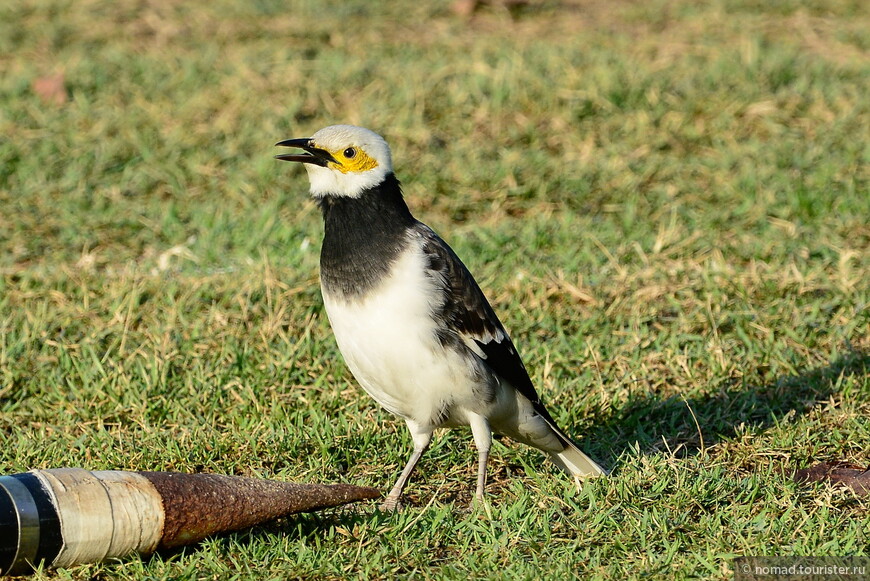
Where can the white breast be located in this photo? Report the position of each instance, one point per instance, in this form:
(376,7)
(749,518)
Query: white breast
(388,341)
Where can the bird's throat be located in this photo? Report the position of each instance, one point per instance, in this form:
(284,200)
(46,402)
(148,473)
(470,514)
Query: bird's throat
(363,237)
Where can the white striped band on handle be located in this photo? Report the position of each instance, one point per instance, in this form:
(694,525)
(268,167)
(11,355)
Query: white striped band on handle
(68,516)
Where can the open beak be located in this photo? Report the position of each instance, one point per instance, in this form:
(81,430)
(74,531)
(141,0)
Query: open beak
(312,154)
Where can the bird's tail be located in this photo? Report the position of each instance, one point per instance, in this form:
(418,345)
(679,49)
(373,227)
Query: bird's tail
(573,461)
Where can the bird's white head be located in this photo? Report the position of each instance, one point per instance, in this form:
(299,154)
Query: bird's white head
(342,160)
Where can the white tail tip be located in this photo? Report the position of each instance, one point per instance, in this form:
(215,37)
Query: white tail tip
(573,461)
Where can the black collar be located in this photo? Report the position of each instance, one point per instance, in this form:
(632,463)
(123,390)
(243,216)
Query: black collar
(363,237)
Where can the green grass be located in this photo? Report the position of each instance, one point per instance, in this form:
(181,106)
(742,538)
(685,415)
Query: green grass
(666,202)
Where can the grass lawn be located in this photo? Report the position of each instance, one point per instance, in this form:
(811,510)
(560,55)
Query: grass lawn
(666,202)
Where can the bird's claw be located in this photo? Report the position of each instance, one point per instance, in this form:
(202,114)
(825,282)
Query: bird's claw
(391,504)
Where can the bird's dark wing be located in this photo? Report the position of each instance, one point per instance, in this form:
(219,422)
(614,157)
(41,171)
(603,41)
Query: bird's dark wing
(466,315)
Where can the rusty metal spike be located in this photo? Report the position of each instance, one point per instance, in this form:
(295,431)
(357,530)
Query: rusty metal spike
(199,505)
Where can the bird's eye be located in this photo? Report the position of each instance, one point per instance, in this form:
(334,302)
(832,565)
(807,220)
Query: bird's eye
(349,152)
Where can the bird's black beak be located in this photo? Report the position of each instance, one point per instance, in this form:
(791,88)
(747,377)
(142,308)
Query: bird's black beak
(312,154)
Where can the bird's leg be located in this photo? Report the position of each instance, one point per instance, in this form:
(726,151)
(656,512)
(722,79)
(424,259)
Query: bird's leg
(421,440)
(482,434)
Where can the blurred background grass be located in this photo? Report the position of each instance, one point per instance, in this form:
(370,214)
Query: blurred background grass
(667,202)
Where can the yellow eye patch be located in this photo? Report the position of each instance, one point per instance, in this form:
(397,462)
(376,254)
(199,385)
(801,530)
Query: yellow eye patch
(352,159)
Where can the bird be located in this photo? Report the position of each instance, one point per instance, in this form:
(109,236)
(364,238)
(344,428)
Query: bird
(410,321)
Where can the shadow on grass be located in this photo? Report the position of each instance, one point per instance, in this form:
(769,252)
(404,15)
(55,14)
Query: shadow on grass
(659,424)
(303,526)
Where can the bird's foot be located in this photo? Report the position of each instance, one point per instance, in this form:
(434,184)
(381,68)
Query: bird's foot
(479,503)
(390,504)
